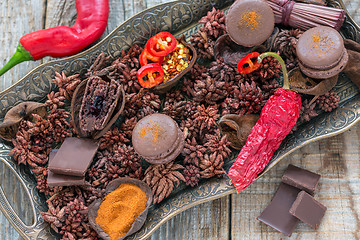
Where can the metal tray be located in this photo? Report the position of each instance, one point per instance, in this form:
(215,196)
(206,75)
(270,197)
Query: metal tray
(179,17)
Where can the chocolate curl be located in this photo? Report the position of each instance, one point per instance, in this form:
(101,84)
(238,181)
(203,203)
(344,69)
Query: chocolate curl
(306,16)
(352,69)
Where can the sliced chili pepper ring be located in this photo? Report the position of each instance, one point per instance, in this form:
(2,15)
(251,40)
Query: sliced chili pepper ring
(150,75)
(146,57)
(161,44)
(249,63)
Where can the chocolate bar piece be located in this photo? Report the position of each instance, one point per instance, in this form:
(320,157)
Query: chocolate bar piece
(55,180)
(74,156)
(276,214)
(301,178)
(308,210)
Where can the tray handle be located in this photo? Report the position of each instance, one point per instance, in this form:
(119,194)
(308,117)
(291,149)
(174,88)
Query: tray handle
(32,231)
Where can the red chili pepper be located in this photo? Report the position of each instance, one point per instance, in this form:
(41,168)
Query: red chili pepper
(91,21)
(249,63)
(150,75)
(161,44)
(145,56)
(277,118)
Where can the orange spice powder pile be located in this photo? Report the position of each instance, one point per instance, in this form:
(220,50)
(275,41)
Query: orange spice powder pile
(250,20)
(120,208)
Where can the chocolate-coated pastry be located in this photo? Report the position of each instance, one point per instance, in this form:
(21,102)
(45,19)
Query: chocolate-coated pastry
(250,22)
(321,52)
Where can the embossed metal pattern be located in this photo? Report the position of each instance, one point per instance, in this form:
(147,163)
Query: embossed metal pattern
(179,17)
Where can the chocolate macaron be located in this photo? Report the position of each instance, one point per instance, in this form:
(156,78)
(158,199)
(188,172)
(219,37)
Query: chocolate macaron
(321,52)
(250,22)
(158,138)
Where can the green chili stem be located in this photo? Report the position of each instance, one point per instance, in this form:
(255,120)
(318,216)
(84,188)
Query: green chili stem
(283,66)
(20,55)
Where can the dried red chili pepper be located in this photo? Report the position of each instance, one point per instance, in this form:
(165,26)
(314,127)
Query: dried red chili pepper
(249,63)
(145,56)
(150,75)
(91,21)
(161,44)
(277,118)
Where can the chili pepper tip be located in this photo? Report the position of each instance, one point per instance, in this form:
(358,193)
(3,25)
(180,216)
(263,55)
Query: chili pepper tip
(19,56)
(286,85)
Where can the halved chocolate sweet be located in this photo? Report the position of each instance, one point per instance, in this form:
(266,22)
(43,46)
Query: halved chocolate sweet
(98,104)
(157,138)
(95,110)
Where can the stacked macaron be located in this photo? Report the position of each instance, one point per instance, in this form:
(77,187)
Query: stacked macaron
(321,52)
(158,138)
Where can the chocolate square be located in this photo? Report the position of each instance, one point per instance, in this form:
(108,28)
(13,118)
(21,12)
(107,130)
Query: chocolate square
(55,180)
(74,156)
(301,178)
(276,214)
(308,210)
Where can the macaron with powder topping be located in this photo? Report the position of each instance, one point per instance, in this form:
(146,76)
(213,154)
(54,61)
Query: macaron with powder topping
(321,52)
(158,138)
(250,22)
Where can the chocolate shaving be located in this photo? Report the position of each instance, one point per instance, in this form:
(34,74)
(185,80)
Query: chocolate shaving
(237,128)
(304,84)
(13,117)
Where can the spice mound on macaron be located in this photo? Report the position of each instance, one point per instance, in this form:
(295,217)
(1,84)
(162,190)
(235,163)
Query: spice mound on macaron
(157,138)
(321,52)
(250,22)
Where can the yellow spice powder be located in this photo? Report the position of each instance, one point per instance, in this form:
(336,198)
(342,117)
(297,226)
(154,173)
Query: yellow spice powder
(120,208)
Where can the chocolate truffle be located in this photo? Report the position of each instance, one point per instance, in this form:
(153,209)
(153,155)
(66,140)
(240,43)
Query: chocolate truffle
(157,138)
(321,52)
(250,22)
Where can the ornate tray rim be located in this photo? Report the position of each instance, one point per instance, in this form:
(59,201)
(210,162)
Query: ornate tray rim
(350,110)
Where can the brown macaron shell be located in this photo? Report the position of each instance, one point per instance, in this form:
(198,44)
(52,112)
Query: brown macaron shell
(250,22)
(171,154)
(157,137)
(321,52)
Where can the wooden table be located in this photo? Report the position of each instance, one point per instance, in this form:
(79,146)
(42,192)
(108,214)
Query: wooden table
(337,159)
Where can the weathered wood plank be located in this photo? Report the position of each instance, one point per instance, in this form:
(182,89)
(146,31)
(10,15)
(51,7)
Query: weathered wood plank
(16,19)
(206,221)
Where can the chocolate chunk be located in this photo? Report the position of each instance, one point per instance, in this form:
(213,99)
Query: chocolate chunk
(308,210)
(55,180)
(276,214)
(74,156)
(301,178)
